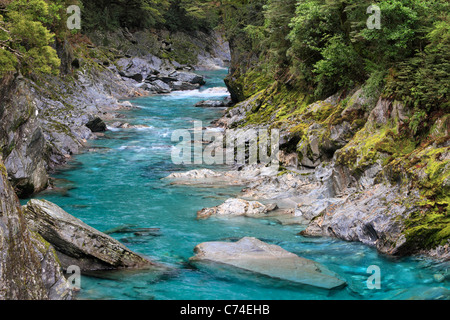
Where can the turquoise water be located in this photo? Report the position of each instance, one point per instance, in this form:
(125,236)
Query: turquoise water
(119,184)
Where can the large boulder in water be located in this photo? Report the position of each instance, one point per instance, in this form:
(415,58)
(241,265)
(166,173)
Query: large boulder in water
(78,244)
(135,68)
(253,255)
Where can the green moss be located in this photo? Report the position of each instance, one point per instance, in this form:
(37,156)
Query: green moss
(347,157)
(276,105)
(386,144)
(427,229)
(427,170)
(321,111)
(3,171)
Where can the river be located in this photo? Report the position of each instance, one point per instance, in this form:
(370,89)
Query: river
(119,184)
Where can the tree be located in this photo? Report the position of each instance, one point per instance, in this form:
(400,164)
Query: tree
(25,40)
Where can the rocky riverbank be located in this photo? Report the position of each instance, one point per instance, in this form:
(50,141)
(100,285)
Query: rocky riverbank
(338,177)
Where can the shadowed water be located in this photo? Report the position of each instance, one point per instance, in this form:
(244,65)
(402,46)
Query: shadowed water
(119,184)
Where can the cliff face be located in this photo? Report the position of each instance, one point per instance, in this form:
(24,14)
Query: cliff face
(29,268)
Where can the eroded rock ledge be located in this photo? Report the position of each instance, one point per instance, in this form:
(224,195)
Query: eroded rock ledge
(78,244)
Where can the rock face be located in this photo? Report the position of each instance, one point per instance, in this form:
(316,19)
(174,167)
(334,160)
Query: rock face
(21,137)
(272,261)
(77,243)
(29,268)
(157,76)
(371,217)
(43,126)
(352,170)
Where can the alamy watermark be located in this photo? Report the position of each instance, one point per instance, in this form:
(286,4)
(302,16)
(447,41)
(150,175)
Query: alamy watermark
(234,147)
(374,281)
(75,279)
(74,20)
(374,21)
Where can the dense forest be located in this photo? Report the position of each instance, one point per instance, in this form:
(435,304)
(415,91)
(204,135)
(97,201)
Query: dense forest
(316,46)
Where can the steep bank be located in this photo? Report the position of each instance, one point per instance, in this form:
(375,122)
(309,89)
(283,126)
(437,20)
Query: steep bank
(383,187)
(101,192)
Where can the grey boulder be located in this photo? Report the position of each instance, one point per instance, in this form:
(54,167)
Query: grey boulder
(96,125)
(253,255)
(236,207)
(188,77)
(29,268)
(160,86)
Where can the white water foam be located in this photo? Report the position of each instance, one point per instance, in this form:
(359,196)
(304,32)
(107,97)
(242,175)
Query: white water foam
(210,92)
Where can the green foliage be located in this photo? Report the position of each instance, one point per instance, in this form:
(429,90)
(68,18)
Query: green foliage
(340,67)
(26,39)
(48,13)
(424,80)
(321,47)
(110,15)
(278,14)
(191,15)
(416,120)
(8,61)
(311,28)
(137,14)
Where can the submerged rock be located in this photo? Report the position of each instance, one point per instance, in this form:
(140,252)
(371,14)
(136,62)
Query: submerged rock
(253,255)
(77,243)
(423,294)
(135,230)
